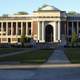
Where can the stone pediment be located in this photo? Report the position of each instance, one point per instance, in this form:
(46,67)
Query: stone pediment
(48,8)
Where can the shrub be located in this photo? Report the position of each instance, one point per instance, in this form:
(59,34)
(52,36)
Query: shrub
(74,38)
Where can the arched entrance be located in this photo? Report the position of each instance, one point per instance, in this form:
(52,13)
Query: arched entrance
(49,33)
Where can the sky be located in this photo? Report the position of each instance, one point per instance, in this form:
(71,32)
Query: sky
(14,6)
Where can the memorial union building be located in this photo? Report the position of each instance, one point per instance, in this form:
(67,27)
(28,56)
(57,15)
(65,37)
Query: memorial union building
(46,24)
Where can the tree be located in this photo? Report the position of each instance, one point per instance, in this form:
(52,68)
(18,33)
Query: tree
(21,13)
(74,38)
(72,13)
(5,15)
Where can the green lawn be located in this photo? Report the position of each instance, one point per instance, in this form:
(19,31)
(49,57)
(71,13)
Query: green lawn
(10,50)
(38,56)
(73,54)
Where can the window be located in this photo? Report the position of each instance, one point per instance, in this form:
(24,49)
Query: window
(69,39)
(19,28)
(0,26)
(4,33)
(9,28)
(29,24)
(75,26)
(9,32)
(14,28)
(4,26)
(19,32)
(69,32)
(70,25)
(79,26)
(29,28)
(14,39)
(9,40)
(4,39)
(0,40)
(19,24)
(24,27)
(79,39)
(9,24)
(19,40)
(69,28)
(29,32)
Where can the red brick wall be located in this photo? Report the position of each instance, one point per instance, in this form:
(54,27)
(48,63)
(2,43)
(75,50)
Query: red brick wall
(34,28)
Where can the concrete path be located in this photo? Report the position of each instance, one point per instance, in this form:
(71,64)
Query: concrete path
(58,56)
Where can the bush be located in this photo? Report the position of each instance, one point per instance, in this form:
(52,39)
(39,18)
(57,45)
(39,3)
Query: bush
(74,39)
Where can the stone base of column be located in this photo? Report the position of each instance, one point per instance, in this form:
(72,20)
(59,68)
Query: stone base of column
(56,41)
(41,41)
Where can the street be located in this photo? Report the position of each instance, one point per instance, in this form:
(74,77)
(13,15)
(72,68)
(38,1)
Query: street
(66,73)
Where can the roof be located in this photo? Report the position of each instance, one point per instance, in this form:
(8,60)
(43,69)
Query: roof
(48,8)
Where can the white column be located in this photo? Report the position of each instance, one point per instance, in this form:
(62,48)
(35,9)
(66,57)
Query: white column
(1,28)
(11,28)
(59,31)
(72,27)
(1,31)
(17,31)
(43,32)
(6,28)
(56,28)
(67,29)
(11,31)
(16,28)
(38,30)
(54,31)
(21,28)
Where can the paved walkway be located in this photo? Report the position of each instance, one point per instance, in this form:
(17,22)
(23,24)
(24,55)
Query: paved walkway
(58,56)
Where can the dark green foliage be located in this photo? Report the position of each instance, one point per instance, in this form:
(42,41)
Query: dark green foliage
(72,13)
(21,13)
(74,38)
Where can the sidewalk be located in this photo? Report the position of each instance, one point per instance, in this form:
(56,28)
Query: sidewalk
(58,56)
(43,66)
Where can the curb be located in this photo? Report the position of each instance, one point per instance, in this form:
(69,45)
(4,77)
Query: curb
(44,66)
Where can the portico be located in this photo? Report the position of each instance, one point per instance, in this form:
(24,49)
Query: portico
(49,31)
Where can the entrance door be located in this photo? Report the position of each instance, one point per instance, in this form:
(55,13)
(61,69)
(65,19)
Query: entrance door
(9,40)
(49,33)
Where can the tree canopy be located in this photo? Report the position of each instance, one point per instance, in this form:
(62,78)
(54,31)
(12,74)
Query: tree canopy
(74,38)
(5,15)
(21,13)
(72,13)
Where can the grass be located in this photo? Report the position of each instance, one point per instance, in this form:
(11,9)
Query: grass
(73,54)
(36,57)
(9,50)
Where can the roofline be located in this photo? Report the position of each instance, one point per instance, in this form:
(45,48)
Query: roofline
(48,11)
